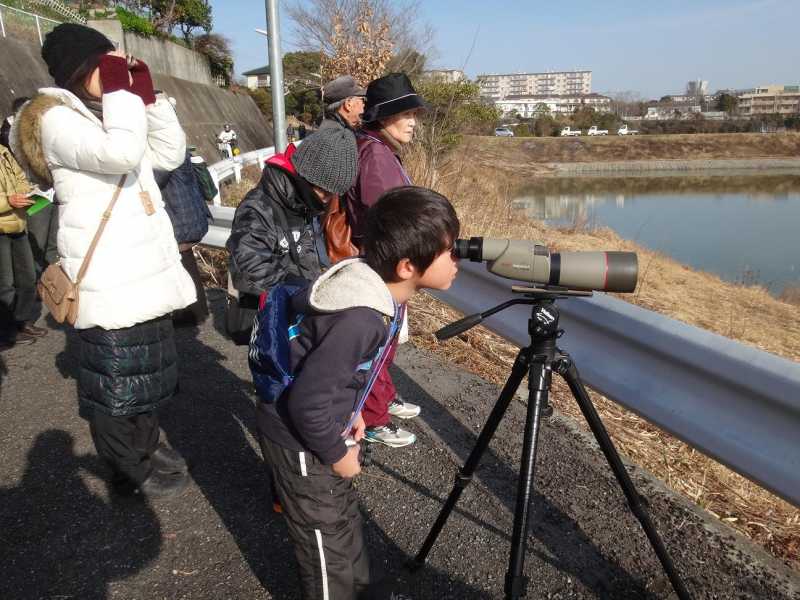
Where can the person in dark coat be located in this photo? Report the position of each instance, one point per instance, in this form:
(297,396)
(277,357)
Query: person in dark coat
(273,235)
(344,103)
(189,213)
(390,117)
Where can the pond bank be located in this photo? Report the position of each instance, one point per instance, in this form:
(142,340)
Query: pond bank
(594,168)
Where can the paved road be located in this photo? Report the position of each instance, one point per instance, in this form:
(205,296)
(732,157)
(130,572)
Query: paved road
(63,536)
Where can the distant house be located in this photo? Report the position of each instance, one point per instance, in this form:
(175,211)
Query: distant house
(666,112)
(533,105)
(257,78)
(445,75)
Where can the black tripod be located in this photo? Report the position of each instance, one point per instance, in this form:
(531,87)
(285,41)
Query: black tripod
(538,361)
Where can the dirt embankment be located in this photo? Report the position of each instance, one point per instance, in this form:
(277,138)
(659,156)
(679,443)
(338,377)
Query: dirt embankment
(533,155)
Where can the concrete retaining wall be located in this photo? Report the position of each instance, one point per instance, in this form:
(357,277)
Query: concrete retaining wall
(203,109)
(162,56)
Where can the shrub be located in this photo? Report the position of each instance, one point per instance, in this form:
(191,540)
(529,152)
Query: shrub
(135,24)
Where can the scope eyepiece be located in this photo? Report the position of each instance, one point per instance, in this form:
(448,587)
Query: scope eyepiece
(471,249)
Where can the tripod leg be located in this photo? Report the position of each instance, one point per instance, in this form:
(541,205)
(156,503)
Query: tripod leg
(570,373)
(539,386)
(464,476)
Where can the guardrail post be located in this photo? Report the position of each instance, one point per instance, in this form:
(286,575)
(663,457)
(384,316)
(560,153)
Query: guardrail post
(39,31)
(217,200)
(237,172)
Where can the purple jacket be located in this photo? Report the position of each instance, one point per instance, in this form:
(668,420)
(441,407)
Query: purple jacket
(379,170)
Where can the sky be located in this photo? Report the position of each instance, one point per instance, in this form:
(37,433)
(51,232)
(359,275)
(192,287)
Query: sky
(652,48)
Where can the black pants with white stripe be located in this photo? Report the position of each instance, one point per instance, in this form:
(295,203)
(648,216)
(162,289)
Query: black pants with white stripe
(324,522)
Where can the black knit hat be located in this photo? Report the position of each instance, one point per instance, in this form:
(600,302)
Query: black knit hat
(390,95)
(69,46)
(328,159)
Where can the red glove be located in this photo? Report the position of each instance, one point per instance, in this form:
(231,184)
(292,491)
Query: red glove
(142,83)
(114,73)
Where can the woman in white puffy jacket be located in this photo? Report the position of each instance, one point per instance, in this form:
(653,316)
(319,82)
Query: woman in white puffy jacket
(103,121)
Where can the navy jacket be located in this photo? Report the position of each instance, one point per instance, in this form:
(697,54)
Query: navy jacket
(184,202)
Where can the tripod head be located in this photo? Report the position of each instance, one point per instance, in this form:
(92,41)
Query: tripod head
(534,296)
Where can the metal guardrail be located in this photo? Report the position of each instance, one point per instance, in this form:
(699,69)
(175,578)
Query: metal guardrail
(733,402)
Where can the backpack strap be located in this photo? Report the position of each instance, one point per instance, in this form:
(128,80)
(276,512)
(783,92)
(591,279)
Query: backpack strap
(377,364)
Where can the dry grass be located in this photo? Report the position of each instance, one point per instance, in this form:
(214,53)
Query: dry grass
(232,192)
(482,197)
(532,154)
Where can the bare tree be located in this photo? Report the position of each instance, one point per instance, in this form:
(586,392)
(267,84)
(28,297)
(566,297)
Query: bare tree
(326,25)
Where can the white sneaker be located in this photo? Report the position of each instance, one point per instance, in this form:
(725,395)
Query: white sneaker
(403,410)
(390,435)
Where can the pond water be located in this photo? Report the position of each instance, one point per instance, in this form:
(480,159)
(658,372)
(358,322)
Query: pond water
(743,226)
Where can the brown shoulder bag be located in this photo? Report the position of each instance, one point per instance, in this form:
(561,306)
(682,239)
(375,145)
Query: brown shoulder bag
(337,232)
(57,291)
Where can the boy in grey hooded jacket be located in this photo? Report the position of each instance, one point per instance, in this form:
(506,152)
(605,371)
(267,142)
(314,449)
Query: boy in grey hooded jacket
(408,247)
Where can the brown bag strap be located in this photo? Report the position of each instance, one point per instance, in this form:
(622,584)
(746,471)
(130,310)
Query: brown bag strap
(103,220)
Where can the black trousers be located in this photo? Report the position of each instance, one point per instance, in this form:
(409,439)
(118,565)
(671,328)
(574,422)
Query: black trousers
(17,280)
(126,443)
(324,523)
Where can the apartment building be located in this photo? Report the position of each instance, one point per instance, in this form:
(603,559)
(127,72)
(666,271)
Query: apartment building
(771,99)
(564,104)
(500,86)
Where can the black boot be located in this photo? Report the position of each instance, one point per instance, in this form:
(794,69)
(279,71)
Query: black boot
(162,485)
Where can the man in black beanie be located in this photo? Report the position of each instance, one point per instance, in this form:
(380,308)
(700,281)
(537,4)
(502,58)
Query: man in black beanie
(274,232)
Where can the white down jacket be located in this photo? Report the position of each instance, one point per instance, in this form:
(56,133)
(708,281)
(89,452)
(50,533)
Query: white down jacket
(135,273)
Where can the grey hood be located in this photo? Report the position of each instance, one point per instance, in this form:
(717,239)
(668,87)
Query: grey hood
(351,283)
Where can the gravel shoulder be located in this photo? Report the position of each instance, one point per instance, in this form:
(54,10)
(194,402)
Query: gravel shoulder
(62,535)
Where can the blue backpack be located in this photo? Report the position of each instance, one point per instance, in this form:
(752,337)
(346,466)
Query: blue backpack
(276,326)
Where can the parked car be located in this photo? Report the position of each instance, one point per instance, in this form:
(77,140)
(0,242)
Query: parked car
(567,132)
(593,130)
(625,131)
(503,132)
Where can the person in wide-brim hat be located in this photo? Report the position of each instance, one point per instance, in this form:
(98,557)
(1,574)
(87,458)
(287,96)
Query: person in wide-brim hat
(390,118)
(391,95)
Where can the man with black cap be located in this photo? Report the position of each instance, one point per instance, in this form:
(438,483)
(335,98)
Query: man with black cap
(344,103)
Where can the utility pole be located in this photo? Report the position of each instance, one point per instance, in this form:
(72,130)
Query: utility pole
(276,76)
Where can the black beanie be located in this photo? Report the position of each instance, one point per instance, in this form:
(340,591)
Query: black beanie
(69,46)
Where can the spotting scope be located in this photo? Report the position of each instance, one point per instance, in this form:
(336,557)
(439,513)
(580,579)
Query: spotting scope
(524,260)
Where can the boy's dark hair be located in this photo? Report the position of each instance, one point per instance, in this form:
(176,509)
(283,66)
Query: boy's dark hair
(408,222)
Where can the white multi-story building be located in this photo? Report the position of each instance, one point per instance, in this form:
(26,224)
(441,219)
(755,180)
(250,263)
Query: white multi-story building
(500,86)
(555,104)
(699,87)
(771,99)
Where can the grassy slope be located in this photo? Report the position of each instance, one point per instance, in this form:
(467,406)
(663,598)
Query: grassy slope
(531,154)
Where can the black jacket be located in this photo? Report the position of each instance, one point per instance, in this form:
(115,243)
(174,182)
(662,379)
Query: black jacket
(258,245)
(320,401)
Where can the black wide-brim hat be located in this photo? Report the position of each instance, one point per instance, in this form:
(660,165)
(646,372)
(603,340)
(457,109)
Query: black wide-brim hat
(390,95)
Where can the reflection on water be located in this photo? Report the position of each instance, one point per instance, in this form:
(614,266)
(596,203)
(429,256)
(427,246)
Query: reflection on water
(742,226)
